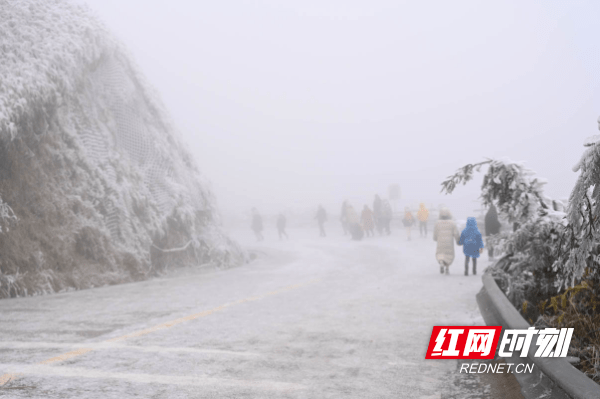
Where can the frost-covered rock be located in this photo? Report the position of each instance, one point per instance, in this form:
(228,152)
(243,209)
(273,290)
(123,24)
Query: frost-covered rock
(95,184)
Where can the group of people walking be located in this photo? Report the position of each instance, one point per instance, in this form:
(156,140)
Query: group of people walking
(409,220)
(379,218)
(445,233)
(281,222)
(257,225)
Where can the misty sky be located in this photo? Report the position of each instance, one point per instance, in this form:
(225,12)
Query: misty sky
(295,103)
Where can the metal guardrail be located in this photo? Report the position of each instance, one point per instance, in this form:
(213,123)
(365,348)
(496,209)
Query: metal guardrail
(551,377)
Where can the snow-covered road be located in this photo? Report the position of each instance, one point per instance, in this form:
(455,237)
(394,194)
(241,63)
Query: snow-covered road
(310,318)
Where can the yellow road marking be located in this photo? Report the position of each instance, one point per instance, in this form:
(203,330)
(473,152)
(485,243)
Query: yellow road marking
(5,378)
(9,377)
(66,356)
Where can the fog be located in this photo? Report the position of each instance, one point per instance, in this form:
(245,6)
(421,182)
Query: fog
(286,105)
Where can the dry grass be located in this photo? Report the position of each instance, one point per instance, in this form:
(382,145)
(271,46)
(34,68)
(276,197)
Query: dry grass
(576,308)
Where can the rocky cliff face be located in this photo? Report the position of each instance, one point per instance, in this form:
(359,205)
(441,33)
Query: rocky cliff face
(95,185)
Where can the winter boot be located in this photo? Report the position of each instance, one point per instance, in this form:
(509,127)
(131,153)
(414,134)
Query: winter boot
(474,266)
(441,269)
(447,270)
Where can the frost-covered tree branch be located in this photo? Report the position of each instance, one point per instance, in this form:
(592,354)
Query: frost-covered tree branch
(515,190)
(6,214)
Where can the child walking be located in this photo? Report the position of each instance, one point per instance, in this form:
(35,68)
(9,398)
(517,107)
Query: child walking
(472,243)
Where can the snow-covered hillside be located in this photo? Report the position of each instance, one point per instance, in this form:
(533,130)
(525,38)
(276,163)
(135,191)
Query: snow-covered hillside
(95,185)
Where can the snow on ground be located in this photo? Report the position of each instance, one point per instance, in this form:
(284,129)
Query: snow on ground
(354,321)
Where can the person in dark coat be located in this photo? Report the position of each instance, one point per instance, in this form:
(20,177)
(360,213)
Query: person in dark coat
(472,243)
(377,210)
(322,218)
(492,227)
(257,224)
(281,222)
(386,216)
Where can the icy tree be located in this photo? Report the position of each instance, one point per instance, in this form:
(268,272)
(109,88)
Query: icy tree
(580,252)
(550,268)
(531,251)
(571,240)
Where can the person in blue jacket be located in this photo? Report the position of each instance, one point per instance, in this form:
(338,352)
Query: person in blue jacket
(472,243)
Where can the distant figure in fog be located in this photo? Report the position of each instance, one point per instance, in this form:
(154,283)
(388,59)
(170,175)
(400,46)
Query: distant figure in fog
(281,221)
(377,209)
(492,227)
(354,227)
(445,234)
(344,217)
(368,224)
(423,216)
(321,219)
(472,243)
(257,224)
(386,216)
(408,220)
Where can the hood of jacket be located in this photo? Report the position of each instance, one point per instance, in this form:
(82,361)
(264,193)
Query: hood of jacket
(471,223)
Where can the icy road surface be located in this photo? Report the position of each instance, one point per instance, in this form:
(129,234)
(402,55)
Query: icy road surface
(310,318)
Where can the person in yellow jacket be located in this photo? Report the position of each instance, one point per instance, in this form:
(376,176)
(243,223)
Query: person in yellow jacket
(422,215)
